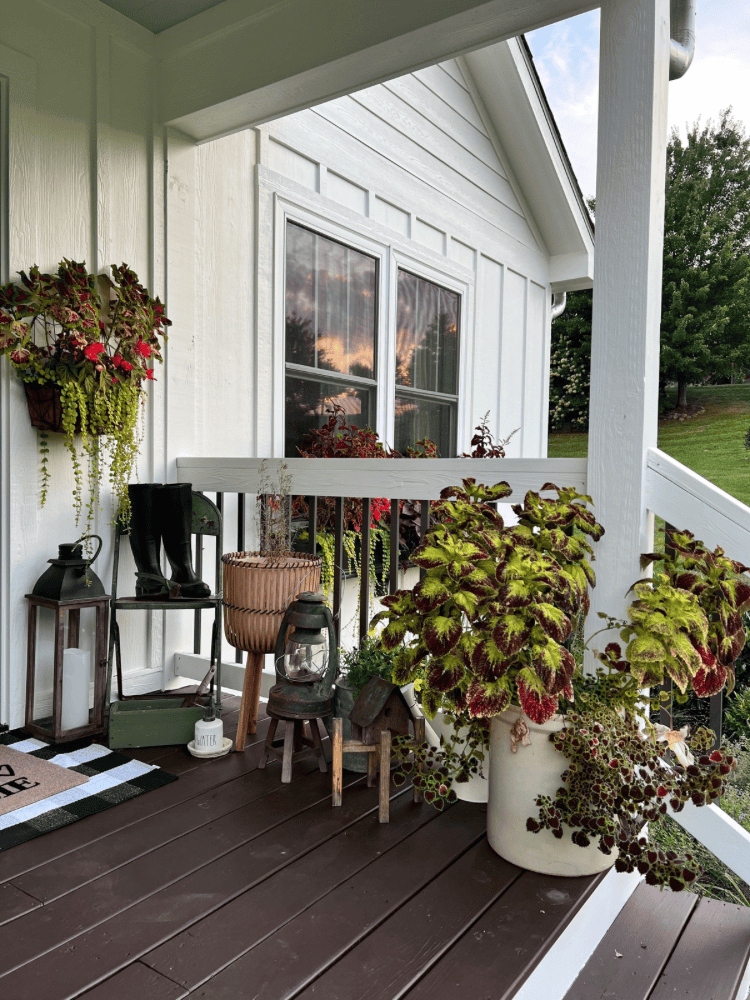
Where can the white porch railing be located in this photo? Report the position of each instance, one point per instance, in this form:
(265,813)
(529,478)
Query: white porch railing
(673,492)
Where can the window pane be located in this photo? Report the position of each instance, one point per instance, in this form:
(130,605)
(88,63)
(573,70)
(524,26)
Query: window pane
(418,418)
(307,400)
(426,335)
(331,305)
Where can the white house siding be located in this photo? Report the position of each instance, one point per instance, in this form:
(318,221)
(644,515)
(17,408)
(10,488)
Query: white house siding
(82,184)
(410,165)
(414,166)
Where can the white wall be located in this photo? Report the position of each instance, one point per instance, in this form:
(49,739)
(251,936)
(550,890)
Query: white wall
(413,164)
(85,183)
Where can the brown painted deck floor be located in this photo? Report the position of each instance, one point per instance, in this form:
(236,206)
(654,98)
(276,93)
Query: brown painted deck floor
(228,884)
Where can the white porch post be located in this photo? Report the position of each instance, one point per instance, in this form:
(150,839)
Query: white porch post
(633,81)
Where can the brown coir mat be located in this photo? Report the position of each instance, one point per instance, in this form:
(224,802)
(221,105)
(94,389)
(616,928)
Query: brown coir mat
(25,779)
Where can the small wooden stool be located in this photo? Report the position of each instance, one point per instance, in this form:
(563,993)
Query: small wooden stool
(295,743)
(379,756)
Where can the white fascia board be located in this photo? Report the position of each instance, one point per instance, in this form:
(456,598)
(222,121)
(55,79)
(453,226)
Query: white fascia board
(571,272)
(241,64)
(531,146)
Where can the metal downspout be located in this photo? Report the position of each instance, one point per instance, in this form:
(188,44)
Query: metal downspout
(682,40)
(558,304)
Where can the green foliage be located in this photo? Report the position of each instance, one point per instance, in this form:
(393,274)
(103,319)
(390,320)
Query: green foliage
(705,321)
(687,622)
(705,328)
(615,781)
(435,770)
(570,364)
(491,618)
(369,660)
(94,338)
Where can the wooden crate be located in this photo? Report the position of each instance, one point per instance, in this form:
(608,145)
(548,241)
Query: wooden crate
(151,722)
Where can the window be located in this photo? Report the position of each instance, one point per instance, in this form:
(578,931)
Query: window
(426,364)
(331,333)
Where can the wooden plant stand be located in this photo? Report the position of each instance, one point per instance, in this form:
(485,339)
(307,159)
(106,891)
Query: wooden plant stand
(295,742)
(379,756)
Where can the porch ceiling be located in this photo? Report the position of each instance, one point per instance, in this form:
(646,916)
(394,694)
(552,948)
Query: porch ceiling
(158,15)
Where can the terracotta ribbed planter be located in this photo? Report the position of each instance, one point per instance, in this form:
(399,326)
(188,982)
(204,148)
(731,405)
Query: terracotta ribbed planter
(257,591)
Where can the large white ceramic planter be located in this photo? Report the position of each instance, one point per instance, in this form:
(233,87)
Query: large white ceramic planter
(476,789)
(516,779)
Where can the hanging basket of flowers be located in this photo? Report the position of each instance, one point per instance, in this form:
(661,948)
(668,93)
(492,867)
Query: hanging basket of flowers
(84,347)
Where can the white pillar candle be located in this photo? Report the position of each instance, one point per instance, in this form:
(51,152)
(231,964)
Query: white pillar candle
(75,699)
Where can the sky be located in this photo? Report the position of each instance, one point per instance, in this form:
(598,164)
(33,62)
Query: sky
(566,56)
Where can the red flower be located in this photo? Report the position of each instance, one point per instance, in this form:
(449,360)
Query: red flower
(126,366)
(143,349)
(150,373)
(116,360)
(93,351)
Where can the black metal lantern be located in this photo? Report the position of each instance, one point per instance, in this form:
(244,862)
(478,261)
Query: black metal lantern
(306,661)
(68,588)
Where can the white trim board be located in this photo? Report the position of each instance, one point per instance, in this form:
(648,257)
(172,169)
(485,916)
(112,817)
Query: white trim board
(396,479)
(687,500)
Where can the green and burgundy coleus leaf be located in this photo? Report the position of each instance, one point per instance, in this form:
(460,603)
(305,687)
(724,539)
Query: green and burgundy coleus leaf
(445,672)
(510,632)
(553,620)
(488,662)
(430,594)
(483,701)
(441,633)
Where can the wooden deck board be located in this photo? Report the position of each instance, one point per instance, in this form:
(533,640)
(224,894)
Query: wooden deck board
(710,956)
(498,952)
(218,940)
(267,891)
(633,953)
(288,960)
(399,951)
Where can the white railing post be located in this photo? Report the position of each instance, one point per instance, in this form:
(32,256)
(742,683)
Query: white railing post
(633,79)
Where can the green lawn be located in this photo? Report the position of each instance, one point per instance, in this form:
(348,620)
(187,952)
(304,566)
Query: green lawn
(711,444)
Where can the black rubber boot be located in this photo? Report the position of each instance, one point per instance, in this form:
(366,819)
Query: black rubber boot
(145,540)
(174,504)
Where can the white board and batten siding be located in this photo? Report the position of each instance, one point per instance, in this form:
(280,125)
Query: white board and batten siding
(85,181)
(412,172)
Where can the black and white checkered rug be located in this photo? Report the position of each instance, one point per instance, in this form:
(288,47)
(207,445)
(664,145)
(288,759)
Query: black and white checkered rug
(113,778)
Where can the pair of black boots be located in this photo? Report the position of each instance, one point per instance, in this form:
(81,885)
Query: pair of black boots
(163,514)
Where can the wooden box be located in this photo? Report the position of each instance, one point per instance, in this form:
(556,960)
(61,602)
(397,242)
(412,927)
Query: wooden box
(151,723)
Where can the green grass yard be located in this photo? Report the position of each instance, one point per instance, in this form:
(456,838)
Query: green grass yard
(711,443)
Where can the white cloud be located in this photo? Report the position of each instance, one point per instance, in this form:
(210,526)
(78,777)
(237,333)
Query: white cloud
(566,56)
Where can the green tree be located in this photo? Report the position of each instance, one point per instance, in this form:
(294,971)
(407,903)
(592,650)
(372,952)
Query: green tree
(570,365)
(705,327)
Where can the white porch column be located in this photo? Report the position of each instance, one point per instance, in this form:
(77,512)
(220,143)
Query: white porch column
(633,81)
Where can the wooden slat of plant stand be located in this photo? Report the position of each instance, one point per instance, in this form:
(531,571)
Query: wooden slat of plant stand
(418,934)
(93,861)
(502,948)
(632,954)
(287,961)
(72,915)
(126,936)
(710,957)
(14,903)
(213,943)
(210,774)
(136,981)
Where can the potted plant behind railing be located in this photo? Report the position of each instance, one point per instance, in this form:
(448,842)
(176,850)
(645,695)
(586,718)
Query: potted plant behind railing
(84,347)
(493,620)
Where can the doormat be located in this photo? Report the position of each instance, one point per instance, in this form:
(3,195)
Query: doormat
(112,778)
(25,778)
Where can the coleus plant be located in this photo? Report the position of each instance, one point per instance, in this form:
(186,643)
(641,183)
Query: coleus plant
(686,623)
(489,622)
(615,780)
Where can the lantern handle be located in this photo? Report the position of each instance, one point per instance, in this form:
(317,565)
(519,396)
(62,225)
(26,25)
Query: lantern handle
(93,558)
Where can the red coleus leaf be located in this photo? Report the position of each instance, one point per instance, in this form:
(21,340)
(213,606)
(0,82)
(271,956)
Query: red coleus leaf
(708,682)
(481,704)
(539,707)
(441,634)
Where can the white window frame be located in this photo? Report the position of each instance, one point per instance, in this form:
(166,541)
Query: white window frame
(290,204)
